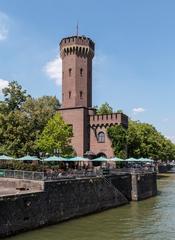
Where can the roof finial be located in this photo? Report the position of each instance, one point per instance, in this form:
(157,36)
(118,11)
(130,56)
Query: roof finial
(77,28)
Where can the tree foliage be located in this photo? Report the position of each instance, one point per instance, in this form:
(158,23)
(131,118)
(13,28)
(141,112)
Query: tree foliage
(22,119)
(143,140)
(118,135)
(56,135)
(14,97)
(105,108)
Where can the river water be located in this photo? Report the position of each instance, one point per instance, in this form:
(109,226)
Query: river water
(152,219)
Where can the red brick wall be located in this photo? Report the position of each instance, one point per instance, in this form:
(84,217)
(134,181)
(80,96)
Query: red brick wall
(78,118)
(96,147)
(100,123)
(109,119)
(76,53)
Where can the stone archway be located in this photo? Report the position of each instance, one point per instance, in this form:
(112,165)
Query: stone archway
(97,163)
(101,154)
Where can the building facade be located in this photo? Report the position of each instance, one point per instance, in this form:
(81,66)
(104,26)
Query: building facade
(89,129)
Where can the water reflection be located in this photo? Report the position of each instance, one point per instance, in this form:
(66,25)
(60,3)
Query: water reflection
(151,219)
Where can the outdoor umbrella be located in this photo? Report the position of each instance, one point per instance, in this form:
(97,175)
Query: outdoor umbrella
(100,159)
(29,158)
(54,159)
(146,160)
(78,159)
(5,157)
(132,160)
(116,159)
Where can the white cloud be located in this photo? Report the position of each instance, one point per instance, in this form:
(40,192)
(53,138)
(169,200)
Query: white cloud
(3,84)
(138,110)
(53,69)
(4,26)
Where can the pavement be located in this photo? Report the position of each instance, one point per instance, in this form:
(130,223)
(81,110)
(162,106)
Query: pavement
(13,191)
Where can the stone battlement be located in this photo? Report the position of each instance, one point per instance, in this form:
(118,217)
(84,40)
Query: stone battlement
(109,120)
(79,45)
(79,40)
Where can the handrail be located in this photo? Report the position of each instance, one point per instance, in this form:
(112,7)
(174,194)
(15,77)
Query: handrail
(20,174)
(116,191)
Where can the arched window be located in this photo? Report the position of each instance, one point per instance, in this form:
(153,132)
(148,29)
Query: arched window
(70,72)
(81,72)
(81,95)
(69,94)
(101,137)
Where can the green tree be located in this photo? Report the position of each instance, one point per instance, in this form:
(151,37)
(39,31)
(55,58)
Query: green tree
(119,111)
(56,135)
(14,97)
(40,110)
(21,124)
(105,108)
(143,140)
(118,135)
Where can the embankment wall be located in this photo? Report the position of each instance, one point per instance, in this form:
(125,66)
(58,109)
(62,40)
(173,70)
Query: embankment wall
(143,186)
(60,201)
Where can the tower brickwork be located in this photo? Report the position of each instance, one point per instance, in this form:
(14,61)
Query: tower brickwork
(77,53)
(89,129)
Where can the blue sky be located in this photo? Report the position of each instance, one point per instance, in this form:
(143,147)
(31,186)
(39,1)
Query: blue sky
(134,67)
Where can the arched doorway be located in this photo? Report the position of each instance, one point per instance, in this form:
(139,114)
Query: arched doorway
(101,154)
(97,163)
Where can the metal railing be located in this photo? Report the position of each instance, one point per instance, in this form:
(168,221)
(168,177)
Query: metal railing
(74,174)
(53,175)
(115,190)
(69,174)
(133,170)
(19,174)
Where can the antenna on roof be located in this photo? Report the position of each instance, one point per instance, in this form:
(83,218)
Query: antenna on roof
(77,28)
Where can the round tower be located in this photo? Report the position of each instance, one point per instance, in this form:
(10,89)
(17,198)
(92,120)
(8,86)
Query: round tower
(77,53)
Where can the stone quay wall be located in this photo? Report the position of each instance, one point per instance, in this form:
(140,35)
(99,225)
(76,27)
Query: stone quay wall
(123,183)
(66,199)
(143,186)
(61,200)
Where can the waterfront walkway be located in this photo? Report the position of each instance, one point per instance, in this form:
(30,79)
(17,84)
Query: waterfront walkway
(12,191)
(70,173)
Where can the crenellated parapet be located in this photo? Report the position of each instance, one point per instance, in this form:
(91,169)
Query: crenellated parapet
(108,120)
(80,45)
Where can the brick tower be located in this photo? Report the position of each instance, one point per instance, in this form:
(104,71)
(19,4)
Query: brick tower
(89,129)
(77,53)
